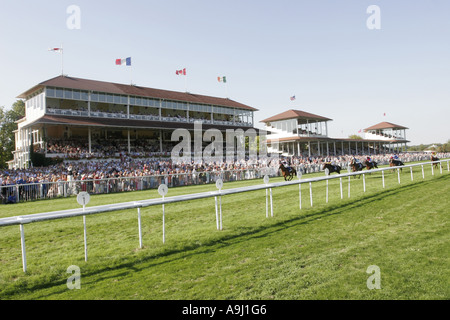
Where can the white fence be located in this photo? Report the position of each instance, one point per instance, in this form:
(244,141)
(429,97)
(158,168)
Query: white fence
(15,193)
(22,220)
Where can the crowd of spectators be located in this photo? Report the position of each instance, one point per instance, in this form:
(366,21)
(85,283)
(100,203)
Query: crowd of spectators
(131,167)
(101,149)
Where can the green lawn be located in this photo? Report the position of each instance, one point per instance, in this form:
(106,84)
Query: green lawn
(321,252)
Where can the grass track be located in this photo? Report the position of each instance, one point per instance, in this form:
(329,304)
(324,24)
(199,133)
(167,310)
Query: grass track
(314,253)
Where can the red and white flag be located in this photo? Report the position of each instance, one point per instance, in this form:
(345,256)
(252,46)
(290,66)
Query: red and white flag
(181,72)
(55,49)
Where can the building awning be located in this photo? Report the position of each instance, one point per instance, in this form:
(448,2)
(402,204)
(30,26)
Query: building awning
(295,114)
(127,123)
(332,140)
(385,125)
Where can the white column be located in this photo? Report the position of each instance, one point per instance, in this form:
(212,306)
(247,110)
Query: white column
(89,139)
(129,145)
(89,104)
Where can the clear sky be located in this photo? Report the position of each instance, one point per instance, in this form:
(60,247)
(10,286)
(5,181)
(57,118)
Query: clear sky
(321,51)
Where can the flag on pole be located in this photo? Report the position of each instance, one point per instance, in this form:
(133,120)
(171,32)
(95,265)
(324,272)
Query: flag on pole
(123,62)
(292,98)
(359,131)
(59,50)
(126,61)
(181,72)
(384,114)
(222,79)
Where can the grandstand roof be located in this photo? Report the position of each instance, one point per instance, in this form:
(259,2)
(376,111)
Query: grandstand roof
(295,114)
(385,125)
(116,88)
(325,139)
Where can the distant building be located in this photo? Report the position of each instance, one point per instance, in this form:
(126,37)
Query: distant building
(300,133)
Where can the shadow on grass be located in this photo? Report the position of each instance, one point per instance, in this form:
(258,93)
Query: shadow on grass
(189,250)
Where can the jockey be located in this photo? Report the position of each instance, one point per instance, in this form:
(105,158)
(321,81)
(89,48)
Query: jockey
(286,165)
(369,160)
(333,163)
(357,162)
(395,157)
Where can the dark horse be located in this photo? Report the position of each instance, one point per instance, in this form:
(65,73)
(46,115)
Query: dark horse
(356,166)
(288,173)
(433,158)
(395,163)
(331,168)
(370,165)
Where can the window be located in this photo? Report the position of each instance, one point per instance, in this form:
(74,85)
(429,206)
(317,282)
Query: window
(94,96)
(101,97)
(76,94)
(67,94)
(51,92)
(59,93)
(109,98)
(84,95)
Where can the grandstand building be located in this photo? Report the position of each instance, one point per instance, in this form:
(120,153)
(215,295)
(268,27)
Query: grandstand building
(299,133)
(66,114)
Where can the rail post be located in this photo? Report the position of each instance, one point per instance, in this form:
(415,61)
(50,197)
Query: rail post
(266,182)
(299,176)
(162,190)
(83,199)
(22,245)
(139,227)
(219,185)
(327,173)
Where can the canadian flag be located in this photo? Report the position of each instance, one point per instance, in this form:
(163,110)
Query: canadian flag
(181,72)
(55,49)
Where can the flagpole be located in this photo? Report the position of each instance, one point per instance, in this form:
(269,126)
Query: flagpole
(62,60)
(226,87)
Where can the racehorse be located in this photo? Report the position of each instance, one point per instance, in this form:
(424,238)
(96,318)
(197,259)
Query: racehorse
(395,163)
(370,165)
(356,166)
(288,173)
(433,158)
(331,168)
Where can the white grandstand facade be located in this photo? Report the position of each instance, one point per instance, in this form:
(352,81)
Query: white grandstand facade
(91,115)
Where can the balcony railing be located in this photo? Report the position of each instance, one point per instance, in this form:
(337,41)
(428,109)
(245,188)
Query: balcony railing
(111,115)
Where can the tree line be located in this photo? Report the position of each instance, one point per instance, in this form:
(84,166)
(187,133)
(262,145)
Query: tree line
(8,124)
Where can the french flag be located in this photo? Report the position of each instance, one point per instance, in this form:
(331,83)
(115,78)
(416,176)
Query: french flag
(123,62)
